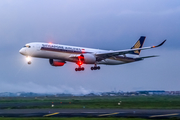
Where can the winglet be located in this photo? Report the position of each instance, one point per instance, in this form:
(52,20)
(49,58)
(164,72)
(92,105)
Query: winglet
(159,44)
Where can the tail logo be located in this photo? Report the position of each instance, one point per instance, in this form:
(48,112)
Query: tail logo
(137,45)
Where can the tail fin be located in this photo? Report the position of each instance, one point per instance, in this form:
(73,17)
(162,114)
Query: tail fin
(139,44)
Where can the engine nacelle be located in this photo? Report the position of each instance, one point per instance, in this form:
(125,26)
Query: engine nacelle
(56,62)
(89,58)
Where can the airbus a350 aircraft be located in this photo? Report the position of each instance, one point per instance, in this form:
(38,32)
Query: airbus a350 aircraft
(58,54)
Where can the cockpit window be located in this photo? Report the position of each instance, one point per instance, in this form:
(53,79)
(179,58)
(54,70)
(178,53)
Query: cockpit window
(28,46)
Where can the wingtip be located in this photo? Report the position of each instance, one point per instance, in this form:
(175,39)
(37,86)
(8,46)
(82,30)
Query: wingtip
(160,44)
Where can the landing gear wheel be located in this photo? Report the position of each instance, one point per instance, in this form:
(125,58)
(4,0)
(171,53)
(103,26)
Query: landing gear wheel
(82,68)
(29,62)
(98,68)
(95,68)
(92,68)
(79,69)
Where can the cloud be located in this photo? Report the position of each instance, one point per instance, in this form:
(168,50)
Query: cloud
(37,88)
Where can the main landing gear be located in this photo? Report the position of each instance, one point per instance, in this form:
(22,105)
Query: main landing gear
(95,67)
(79,63)
(79,69)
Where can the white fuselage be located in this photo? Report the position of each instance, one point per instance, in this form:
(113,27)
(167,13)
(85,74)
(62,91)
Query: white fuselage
(67,53)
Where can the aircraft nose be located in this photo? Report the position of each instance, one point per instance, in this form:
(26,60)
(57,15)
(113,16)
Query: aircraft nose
(22,51)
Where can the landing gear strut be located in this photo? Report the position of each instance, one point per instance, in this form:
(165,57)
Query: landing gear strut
(79,63)
(95,67)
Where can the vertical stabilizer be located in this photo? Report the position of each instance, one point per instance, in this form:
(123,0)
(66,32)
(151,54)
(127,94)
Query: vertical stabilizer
(139,44)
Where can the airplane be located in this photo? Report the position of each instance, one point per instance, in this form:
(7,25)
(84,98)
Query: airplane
(59,54)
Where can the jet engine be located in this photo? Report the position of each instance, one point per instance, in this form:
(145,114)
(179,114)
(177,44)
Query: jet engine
(89,58)
(56,62)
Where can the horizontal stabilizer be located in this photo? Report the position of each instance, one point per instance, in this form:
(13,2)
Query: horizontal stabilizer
(141,58)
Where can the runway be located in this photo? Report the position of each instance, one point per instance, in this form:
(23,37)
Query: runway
(140,113)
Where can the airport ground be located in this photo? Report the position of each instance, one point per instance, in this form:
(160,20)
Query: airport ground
(97,102)
(80,118)
(90,108)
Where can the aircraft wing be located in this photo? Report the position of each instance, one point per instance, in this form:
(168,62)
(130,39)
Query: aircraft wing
(108,54)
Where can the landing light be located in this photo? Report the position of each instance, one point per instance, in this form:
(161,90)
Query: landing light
(28,58)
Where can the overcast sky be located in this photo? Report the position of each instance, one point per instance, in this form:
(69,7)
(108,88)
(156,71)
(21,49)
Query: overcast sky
(103,24)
